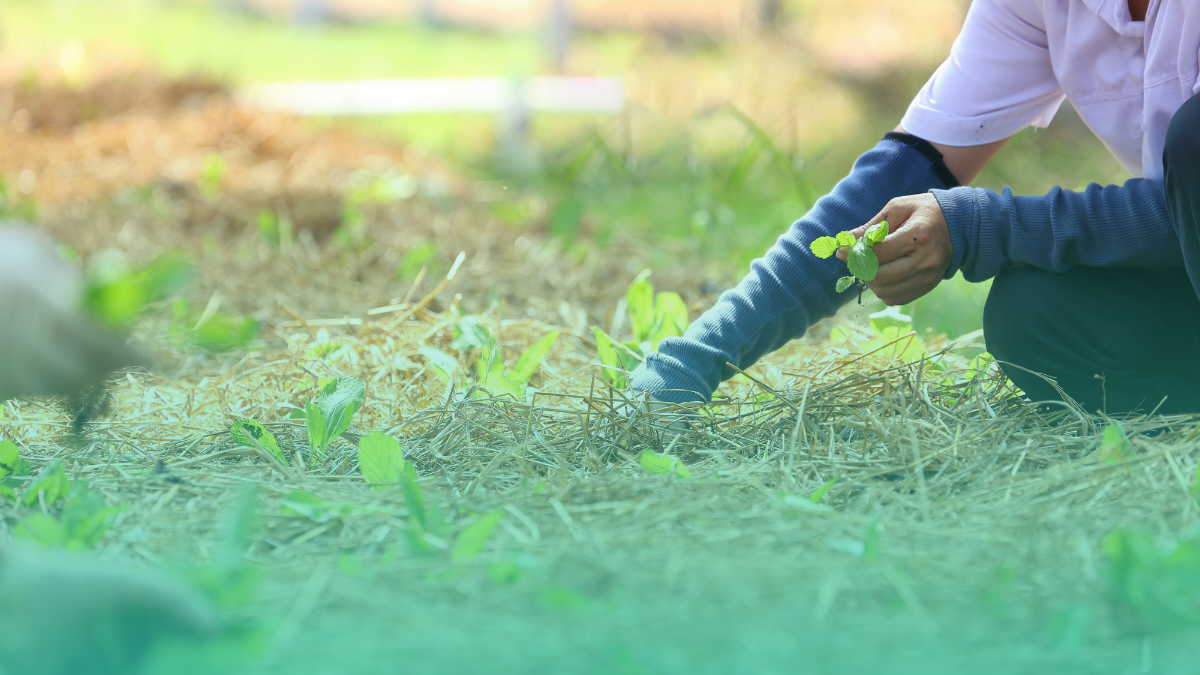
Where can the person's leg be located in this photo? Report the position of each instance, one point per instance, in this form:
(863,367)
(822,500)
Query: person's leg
(1181,178)
(1137,329)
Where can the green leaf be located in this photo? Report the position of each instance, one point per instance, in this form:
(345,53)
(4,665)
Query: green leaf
(491,359)
(381,460)
(243,430)
(609,358)
(42,529)
(315,424)
(640,302)
(671,317)
(844,283)
(414,501)
(308,505)
(499,384)
(824,247)
(845,239)
(876,233)
(86,516)
(52,484)
(821,491)
(338,401)
(1114,446)
(862,261)
(663,464)
(11,464)
(442,363)
(475,536)
(470,334)
(531,359)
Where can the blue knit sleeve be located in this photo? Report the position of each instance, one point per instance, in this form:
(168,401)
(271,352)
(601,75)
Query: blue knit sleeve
(788,289)
(1115,225)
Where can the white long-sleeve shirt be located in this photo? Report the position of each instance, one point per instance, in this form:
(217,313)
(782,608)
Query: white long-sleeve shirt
(1016,60)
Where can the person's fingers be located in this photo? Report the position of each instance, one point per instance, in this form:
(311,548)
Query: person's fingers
(905,290)
(895,271)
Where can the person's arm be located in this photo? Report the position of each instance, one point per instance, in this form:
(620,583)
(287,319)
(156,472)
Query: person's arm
(789,288)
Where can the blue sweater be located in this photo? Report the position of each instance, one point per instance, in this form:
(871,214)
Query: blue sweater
(789,289)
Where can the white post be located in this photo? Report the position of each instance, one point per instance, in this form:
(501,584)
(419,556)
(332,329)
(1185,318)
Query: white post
(558,35)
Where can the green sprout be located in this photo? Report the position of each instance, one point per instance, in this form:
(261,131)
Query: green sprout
(652,318)
(860,257)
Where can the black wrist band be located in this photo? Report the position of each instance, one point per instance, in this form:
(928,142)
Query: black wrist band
(931,153)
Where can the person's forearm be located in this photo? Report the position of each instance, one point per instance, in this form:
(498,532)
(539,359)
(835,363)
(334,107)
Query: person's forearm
(1117,225)
(789,288)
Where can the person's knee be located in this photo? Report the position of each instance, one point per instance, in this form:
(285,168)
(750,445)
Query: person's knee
(1181,151)
(1011,313)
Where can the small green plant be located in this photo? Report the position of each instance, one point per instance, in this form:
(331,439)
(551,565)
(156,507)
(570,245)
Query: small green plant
(490,373)
(860,255)
(663,464)
(115,292)
(251,434)
(329,416)
(474,537)
(1114,446)
(81,522)
(11,464)
(211,330)
(382,461)
(1156,583)
(652,318)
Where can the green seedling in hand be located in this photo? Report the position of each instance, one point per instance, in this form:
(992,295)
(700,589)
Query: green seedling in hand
(860,256)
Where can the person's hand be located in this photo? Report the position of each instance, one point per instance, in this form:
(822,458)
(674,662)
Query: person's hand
(917,252)
(46,346)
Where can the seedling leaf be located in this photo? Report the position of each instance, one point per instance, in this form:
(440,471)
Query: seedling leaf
(475,536)
(530,359)
(821,491)
(470,334)
(671,317)
(1114,446)
(337,403)
(824,247)
(52,484)
(871,544)
(243,430)
(11,464)
(442,363)
(308,505)
(663,464)
(862,261)
(381,460)
(640,301)
(844,283)
(610,358)
(845,239)
(42,529)
(876,233)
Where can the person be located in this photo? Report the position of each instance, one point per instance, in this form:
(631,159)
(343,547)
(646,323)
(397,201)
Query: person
(62,613)
(1095,289)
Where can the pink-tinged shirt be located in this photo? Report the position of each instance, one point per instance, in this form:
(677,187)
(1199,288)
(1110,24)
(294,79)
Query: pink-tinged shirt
(1016,60)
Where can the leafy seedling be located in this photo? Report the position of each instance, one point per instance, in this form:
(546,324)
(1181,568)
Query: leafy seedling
(652,319)
(1114,446)
(85,517)
(823,490)
(492,375)
(663,464)
(860,255)
(382,461)
(474,537)
(11,464)
(51,486)
(116,293)
(251,434)
(329,416)
(1156,584)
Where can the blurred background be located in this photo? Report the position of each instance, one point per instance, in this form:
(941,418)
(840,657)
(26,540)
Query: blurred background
(679,136)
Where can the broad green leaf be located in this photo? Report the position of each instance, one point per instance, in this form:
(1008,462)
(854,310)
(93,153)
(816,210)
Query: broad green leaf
(470,334)
(381,460)
(862,261)
(475,536)
(499,384)
(222,332)
(443,364)
(876,233)
(338,401)
(11,464)
(844,283)
(530,359)
(52,484)
(243,430)
(671,317)
(309,506)
(86,516)
(640,302)
(824,247)
(662,464)
(845,239)
(1114,446)
(42,529)
(166,276)
(315,424)
(821,491)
